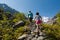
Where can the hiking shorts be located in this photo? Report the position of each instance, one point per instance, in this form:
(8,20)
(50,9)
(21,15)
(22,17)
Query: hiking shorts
(38,21)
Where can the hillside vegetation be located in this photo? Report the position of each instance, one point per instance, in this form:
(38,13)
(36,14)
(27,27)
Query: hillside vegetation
(53,31)
(7,20)
(7,32)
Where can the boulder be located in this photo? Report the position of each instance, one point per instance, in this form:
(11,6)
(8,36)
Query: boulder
(22,37)
(18,24)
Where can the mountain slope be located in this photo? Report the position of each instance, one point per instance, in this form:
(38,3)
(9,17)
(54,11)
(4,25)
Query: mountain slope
(7,8)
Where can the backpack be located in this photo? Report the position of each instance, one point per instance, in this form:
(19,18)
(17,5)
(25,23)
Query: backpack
(30,15)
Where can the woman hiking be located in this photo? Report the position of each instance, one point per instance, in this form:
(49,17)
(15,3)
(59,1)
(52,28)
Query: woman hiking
(38,21)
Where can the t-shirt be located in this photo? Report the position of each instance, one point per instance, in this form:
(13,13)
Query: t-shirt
(37,17)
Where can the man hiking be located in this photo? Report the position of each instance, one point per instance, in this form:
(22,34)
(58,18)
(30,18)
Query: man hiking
(30,16)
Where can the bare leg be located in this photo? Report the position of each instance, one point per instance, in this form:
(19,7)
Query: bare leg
(37,28)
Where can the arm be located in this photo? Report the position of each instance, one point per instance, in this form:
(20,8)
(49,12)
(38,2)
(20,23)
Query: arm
(41,17)
(34,17)
(28,15)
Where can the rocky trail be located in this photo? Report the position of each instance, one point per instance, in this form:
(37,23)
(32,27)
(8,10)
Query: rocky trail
(33,36)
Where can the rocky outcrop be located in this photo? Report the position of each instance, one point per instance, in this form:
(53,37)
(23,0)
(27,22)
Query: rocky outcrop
(18,24)
(52,20)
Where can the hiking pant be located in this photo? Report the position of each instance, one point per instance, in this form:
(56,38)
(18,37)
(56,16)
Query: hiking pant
(30,19)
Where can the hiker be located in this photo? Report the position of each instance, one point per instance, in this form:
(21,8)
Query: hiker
(30,16)
(38,21)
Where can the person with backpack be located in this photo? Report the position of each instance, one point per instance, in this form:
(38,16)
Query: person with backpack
(38,21)
(30,16)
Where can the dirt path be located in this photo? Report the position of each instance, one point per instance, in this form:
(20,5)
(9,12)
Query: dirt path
(33,36)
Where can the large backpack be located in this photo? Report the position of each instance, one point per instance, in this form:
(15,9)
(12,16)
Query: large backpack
(30,15)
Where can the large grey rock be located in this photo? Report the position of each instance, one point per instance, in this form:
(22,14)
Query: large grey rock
(22,37)
(18,24)
(40,38)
